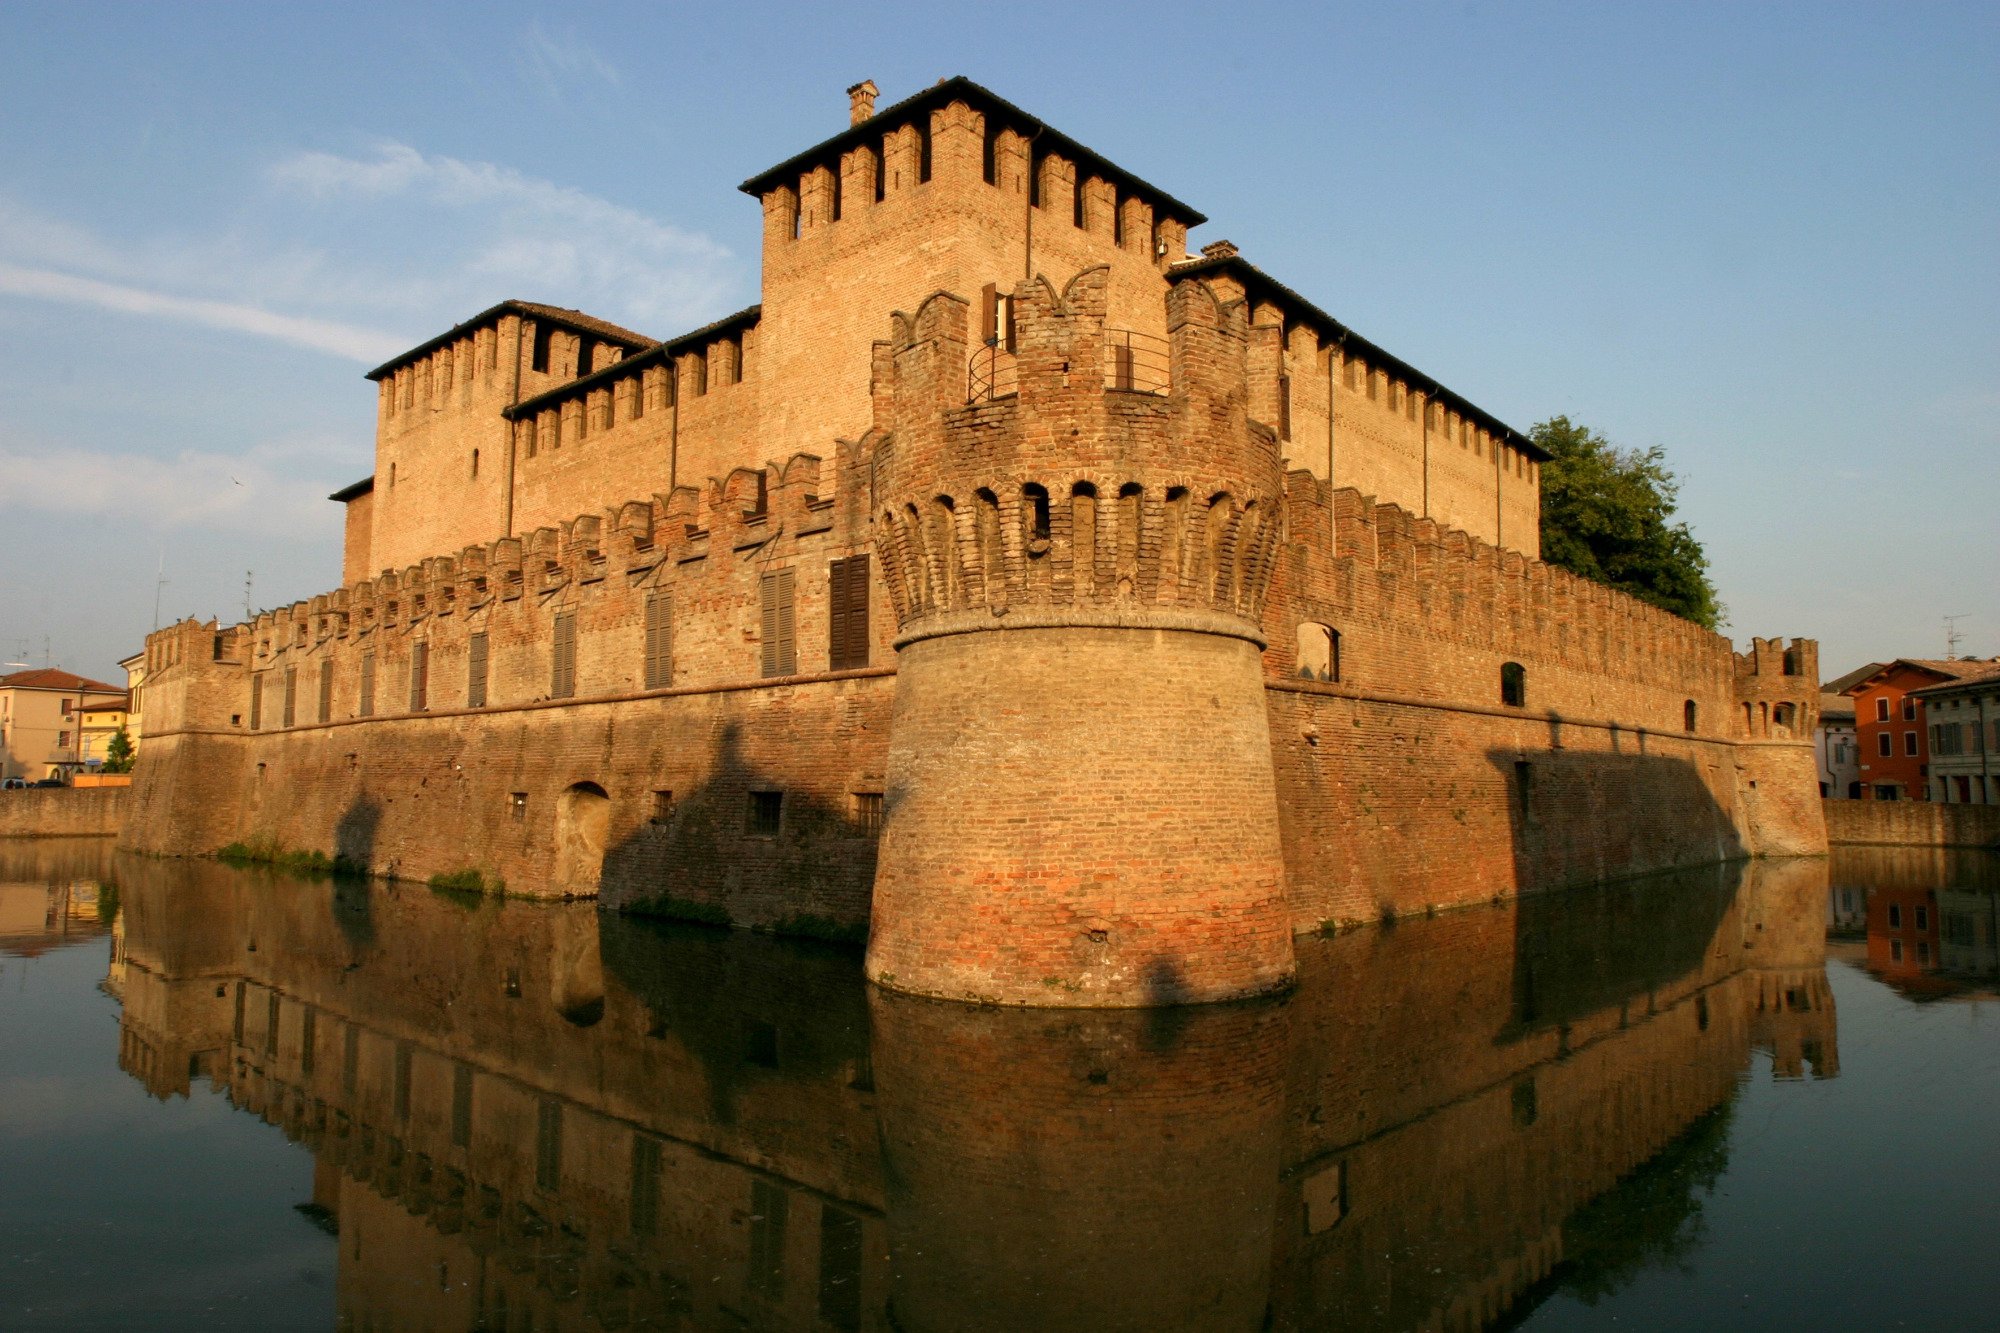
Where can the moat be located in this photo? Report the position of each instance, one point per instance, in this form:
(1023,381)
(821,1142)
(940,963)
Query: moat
(1753,1096)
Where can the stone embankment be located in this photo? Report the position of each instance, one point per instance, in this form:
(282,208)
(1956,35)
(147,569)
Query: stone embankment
(1912,824)
(63,812)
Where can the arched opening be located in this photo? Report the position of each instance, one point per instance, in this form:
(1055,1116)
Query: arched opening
(576,974)
(583,821)
(1318,652)
(1513,685)
(1783,716)
(1688,714)
(1035,515)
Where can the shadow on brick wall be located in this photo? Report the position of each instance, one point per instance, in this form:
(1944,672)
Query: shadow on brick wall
(747,849)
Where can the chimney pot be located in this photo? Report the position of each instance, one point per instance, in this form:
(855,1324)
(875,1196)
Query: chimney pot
(861,101)
(1218,250)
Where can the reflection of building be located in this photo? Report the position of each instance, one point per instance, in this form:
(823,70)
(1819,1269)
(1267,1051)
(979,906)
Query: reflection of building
(1964,735)
(50,720)
(1932,916)
(586,1123)
(52,894)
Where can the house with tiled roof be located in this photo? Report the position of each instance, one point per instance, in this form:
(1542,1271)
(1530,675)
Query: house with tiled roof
(43,717)
(1962,732)
(1892,725)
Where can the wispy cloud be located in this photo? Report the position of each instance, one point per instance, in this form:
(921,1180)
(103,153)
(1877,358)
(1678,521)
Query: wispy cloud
(526,236)
(277,489)
(358,344)
(556,61)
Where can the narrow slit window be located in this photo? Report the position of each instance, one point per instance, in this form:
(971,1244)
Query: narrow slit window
(1514,685)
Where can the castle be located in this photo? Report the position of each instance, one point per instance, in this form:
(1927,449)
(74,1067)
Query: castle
(1079,618)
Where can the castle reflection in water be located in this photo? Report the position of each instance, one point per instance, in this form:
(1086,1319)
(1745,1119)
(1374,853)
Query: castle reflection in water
(534,1116)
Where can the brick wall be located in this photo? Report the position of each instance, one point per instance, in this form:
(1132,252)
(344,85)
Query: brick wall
(63,812)
(1912,823)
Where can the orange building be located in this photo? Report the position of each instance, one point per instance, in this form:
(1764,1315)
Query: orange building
(1891,725)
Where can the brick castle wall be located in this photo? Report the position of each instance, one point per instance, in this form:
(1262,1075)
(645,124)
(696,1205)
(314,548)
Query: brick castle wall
(1912,824)
(63,812)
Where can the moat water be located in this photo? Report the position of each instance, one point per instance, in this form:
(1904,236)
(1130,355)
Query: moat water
(1750,1097)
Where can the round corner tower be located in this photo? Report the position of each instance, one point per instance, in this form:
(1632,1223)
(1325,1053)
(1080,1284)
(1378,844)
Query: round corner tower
(1081,809)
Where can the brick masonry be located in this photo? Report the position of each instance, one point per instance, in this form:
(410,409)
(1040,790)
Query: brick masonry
(1912,824)
(63,812)
(1148,682)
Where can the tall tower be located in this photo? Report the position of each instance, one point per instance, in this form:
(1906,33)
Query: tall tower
(1081,809)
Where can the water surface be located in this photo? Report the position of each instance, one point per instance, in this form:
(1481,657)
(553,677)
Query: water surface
(1753,1096)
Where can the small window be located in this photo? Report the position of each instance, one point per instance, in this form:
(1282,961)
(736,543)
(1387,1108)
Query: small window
(663,806)
(1881,710)
(1885,745)
(1688,714)
(868,813)
(1514,685)
(1895,917)
(1923,918)
(1910,743)
(366,704)
(517,805)
(1284,407)
(1909,709)
(326,689)
(1318,652)
(1895,951)
(538,358)
(291,696)
(767,810)
(256,703)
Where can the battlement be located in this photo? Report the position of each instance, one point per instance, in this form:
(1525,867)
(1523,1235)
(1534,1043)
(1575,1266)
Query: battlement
(1777,688)
(1077,490)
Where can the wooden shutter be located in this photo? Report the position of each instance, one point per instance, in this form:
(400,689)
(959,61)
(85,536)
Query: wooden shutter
(291,696)
(659,640)
(563,685)
(475,672)
(256,702)
(778,626)
(326,689)
(367,708)
(847,614)
(420,670)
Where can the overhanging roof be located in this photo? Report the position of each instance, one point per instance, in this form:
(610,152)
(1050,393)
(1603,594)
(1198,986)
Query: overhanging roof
(573,320)
(991,103)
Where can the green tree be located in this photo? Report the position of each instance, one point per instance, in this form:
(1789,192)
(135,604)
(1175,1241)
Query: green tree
(118,753)
(1608,515)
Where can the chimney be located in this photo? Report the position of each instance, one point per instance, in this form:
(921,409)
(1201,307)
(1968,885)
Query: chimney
(1219,250)
(861,101)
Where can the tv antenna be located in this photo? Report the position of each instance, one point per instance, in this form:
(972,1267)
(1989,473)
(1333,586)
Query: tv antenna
(249,576)
(1952,637)
(160,581)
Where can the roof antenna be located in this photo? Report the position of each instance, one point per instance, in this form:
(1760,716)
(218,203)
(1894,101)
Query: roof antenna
(248,576)
(1952,637)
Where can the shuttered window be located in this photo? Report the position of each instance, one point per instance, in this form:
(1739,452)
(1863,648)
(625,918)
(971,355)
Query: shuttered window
(420,676)
(475,671)
(779,627)
(256,702)
(367,708)
(847,614)
(562,681)
(326,689)
(291,696)
(659,640)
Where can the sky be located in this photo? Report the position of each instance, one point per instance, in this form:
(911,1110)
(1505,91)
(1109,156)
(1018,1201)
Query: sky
(1761,237)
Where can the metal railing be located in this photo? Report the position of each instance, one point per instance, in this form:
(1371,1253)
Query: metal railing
(1135,362)
(990,374)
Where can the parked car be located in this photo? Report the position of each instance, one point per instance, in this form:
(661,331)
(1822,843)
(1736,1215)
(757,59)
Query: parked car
(50,782)
(9,784)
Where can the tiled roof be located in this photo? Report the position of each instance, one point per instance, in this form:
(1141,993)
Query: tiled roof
(55,678)
(1851,679)
(573,319)
(1836,707)
(1964,671)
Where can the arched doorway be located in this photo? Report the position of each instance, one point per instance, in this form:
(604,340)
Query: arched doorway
(583,823)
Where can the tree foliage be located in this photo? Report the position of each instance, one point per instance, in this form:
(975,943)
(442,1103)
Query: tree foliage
(1608,515)
(118,753)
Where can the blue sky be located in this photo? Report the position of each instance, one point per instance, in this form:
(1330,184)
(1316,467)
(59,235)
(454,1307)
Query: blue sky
(1763,237)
